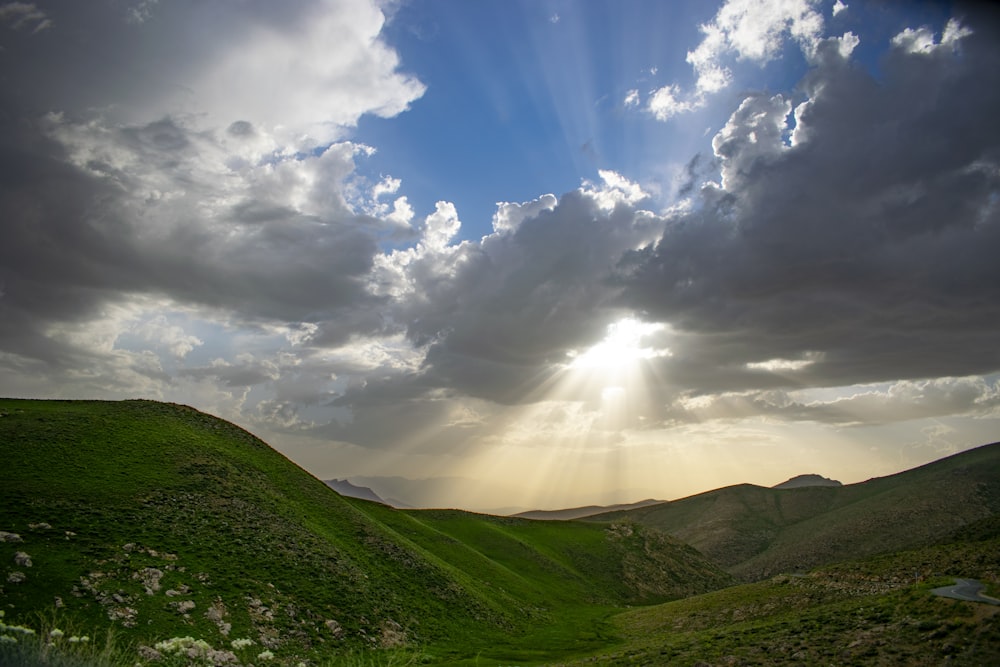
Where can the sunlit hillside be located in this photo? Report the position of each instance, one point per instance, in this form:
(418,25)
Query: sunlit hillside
(148,521)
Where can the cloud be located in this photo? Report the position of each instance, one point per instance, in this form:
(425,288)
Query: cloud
(177,236)
(495,315)
(867,405)
(665,102)
(921,40)
(20,15)
(189,188)
(749,30)
(864,237)
(301,72)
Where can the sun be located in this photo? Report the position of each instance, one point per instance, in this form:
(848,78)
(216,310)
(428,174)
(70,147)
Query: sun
(621,348)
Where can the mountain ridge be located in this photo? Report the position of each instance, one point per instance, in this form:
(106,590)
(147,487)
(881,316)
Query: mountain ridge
(345,488)
(571,513)
(809,479)
(755,532)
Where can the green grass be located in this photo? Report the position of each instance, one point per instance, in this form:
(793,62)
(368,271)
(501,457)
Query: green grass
(756,532)
(869,612)
(145,521)
(158,521)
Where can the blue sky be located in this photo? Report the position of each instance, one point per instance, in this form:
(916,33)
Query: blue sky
(740,240)
(528,98)
(525,98)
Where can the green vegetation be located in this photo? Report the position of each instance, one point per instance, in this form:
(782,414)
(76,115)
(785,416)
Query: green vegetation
(162,522)
(877,611)
(141,532)
(756,533)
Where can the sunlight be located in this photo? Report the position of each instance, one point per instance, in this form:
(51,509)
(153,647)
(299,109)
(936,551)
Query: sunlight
(622,346)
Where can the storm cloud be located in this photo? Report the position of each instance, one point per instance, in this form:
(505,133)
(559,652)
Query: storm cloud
(188,212)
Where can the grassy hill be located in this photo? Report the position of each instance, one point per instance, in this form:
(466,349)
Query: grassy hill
(875,611)
(756,532)
(159,521)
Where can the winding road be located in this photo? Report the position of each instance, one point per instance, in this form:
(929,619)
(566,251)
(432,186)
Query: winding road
(965,589)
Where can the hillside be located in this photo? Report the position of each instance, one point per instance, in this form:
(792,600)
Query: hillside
(581,512)
(160,521)
(878,611)
(756,532)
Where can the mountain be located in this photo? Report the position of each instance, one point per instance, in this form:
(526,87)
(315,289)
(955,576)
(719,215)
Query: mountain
(436,492)
(345,488)
(153,521)
(806,480)
(756,532)
(581,512)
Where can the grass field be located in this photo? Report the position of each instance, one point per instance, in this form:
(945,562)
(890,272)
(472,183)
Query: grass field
(138,532)
(157,521)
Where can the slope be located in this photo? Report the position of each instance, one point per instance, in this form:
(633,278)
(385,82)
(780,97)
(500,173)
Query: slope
(874,611)
(160,521)
(756,532)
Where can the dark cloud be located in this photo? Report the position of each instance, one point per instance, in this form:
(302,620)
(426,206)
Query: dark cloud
(513,306)
(901,401)
(79,235)
(867,246)
(851,238)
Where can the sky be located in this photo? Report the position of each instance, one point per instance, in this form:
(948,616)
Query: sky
(502,255)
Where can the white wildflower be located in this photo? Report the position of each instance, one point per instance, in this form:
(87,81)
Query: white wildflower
(265,655)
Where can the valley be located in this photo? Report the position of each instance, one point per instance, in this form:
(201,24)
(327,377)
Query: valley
(134,523)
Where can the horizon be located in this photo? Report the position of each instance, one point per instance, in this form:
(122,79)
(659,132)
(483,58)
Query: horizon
(573,253)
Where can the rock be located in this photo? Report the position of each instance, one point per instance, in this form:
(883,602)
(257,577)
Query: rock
(16,577)
(22,559)
(9,537)
(335,628)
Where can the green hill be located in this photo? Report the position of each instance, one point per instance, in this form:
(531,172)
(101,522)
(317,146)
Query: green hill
(876,611)
(756,532)
(160,521)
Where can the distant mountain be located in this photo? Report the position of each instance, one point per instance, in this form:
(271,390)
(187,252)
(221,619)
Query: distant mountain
(437,492)
(806,480)
(345,488)
(581,512)
(756,532)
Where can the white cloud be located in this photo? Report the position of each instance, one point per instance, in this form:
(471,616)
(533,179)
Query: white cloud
(307,80)
(441,225)
(753,134)
(753,30)
(664,103)
(846,44)
(24,15)
(402,213)
(839,7)
(921,40)
(615,190)
(631,98)
(387,186)
(158,330)
(510,215)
